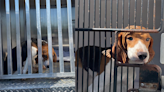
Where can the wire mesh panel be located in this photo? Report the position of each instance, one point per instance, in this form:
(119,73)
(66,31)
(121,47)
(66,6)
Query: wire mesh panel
(34,56)
(105,60)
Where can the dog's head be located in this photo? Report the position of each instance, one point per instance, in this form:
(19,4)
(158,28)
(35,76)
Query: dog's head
(45,54)
(134,47)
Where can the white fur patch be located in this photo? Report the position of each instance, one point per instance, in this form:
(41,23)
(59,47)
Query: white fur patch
(132,53)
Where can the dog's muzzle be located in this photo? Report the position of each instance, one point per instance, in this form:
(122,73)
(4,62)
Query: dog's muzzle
(142,55)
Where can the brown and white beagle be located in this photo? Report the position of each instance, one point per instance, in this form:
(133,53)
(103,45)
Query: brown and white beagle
(34,52)
(133,48)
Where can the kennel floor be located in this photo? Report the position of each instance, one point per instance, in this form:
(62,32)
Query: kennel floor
(40,84)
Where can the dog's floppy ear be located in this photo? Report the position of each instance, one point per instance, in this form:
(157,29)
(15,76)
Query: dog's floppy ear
(151,51)
(121,55)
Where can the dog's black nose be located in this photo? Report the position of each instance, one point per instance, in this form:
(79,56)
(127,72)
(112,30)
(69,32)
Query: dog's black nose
(142,55)
(47,66)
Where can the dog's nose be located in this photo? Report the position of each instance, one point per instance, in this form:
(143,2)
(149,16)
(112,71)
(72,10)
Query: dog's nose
(142,55)
(47,66)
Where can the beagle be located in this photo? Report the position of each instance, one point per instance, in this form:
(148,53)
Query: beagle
(133,48)
(34,52)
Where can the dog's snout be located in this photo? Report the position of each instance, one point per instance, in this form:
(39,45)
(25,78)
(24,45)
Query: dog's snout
(47,66)
(142,55)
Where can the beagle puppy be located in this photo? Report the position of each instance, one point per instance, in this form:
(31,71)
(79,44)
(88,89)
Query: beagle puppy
(133,48)
(34,52)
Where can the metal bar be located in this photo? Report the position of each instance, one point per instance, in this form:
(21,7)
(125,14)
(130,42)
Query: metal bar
(147,14)
(28,26)
(88,42)
(60,40)
(115,65)
(104,64)
(50,36)
(117,14)
(111,5)
(129,14)
(1,66)
(9,56)
(135,9)
(129,65)
(154,15)
(121,79)
(99,42)
(111,62)
(94,19)
(83,42)
(133,76)
(118,29)
(122,13)
(127,78)
(78,48)
(19,58)
(105,18)
(39,35)
(45,75)
(70,30)
(93,61)
(141,14)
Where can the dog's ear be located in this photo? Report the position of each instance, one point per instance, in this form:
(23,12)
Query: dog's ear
(121,55)
(151,51)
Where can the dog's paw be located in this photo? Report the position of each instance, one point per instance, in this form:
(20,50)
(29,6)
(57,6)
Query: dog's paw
(107,53)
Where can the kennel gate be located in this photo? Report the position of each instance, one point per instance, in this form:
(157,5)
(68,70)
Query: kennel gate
(98,18)
(18,24)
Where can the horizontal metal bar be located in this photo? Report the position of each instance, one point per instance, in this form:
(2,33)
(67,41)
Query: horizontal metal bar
(130,65)
(45,75)
(117,29)
(49,35)
(19,58)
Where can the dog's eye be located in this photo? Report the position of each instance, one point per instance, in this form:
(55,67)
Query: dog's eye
(147,39)
(130,38)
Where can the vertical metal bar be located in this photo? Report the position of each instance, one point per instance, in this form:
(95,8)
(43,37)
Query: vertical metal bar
(39,35)
(78,48)
(116,13)
(154,14)
(105,18)
(88,42)
(93,60)
(1,67)
(19,59)
(99,42)
(111,62)
(148,14)
(122,13)
(71,47)
(104,64)
(115,65)
(111,5)
(28,28)
(60,35)
(94,19)
(135,7)
(129,14)
(9,57)
(50,37)
(127,77)
(83,41)
(121,79)
(122,27)
(133,76)
(141,13)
